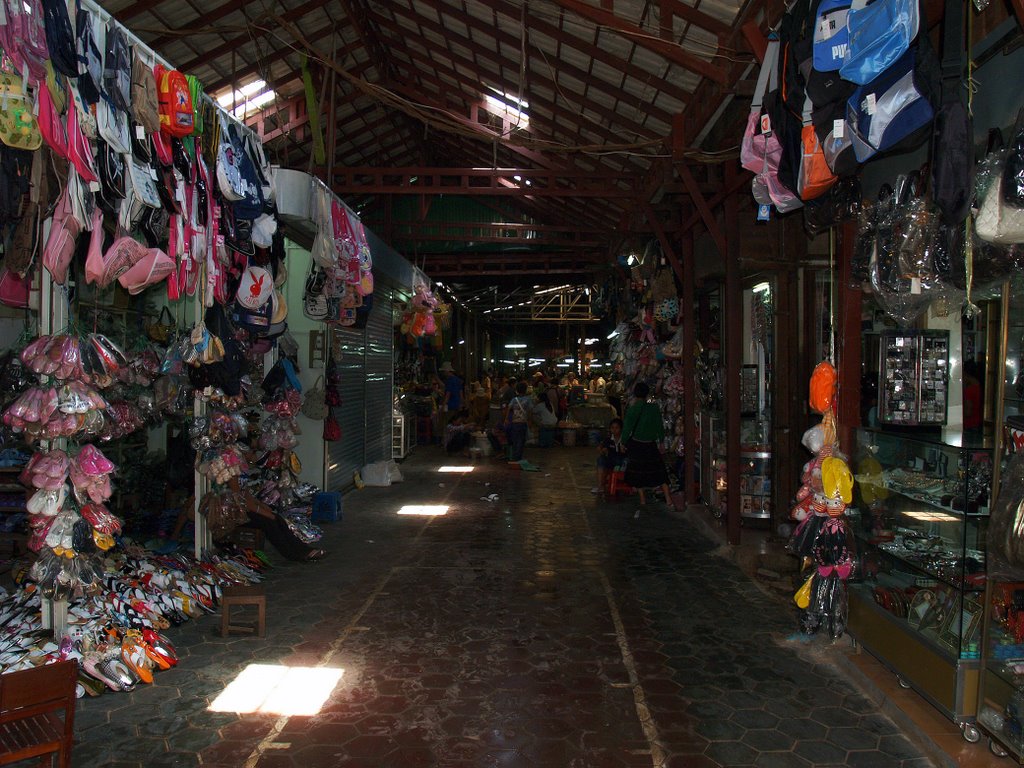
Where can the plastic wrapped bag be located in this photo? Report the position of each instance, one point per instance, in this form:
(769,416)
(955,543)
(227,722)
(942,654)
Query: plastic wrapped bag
(864,245)
(1013,169)
(995,220)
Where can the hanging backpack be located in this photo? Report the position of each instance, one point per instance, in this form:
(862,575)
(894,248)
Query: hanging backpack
(117,68)
(816,176)
(195,88)
(113,125)
(250,205)
(831,38)
(23,37)
(18,126)
(229,177)
(831,35)
(761,151)
(145,101)
(894,112)
(60,38)
(176,118)
(90,46)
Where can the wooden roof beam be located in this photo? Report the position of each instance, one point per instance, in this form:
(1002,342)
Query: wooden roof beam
(679,9)
(672,51)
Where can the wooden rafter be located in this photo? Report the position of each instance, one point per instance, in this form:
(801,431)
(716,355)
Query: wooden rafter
(669,50)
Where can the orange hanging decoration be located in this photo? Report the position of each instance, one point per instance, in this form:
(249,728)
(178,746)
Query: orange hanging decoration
(823,387)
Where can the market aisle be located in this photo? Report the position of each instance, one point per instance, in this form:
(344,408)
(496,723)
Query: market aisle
(538,629)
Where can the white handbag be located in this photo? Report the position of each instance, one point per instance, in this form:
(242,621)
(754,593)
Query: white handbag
(323,252)
(144,182)
(997,222)
(112,124)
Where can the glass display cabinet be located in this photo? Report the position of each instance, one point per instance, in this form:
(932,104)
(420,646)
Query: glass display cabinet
(755,470)
(913,377)
(1001,702)
(916,600)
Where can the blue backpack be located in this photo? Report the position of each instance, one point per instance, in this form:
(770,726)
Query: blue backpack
(894,112)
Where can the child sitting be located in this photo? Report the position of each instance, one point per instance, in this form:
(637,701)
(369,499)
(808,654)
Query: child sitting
(458,433)
(611,455)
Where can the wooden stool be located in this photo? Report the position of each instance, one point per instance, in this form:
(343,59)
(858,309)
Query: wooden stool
(237,595)
(248,537)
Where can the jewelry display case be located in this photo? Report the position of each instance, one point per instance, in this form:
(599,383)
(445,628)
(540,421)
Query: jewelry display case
(913,377)
(916,599)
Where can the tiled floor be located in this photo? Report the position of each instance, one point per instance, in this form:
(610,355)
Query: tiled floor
(543,629)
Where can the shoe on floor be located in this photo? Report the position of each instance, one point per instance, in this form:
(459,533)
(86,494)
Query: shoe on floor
(595,490)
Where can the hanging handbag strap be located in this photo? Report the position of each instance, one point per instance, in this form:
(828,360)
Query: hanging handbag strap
(768,79)
(952,49)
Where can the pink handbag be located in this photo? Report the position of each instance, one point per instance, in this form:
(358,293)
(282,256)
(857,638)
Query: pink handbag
(154,266)
(94,265)
(14,290)
(756,144)
(760,150)
(50,124)
(60,243)
(79,151)
(123,254)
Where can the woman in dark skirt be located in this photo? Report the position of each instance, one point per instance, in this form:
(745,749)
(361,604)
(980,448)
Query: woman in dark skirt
(644,430)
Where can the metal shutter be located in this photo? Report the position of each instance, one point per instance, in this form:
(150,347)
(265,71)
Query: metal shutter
(367,372)
(345,456)
(380,337)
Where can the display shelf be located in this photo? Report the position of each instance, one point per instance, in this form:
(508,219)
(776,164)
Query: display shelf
(401,437)
(917,600)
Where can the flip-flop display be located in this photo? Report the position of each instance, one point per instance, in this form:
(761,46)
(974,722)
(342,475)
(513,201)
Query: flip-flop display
(117,631)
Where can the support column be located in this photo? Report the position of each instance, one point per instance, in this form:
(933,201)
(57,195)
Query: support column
(687,315)
(788,383)
(848,350)
(733,341)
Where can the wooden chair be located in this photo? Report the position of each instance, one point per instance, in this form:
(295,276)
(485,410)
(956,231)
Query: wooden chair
(30,725)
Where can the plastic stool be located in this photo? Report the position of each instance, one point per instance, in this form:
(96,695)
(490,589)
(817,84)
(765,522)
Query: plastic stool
(232,596)
(617,483)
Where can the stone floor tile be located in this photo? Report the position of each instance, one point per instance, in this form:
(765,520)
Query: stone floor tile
(507,634)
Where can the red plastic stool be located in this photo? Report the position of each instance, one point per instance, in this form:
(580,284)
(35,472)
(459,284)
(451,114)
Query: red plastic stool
(617,483)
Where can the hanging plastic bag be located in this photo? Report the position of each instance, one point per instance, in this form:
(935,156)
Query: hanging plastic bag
(994,220)
(864,244)
(915,233)
(1013,171)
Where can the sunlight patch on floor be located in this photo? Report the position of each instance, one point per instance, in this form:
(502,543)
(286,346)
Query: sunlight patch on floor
(272,689)
(424,509)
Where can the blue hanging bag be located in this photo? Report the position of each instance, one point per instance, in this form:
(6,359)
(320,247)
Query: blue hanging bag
(879,34)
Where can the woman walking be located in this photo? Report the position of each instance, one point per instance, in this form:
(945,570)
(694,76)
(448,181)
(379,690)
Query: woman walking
(517,422)
(644,430)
